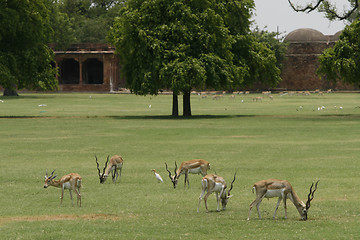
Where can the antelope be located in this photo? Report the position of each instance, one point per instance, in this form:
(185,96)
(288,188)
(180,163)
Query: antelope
(282,189)
(114,167)
(217,97)
(214,183)
(193,166)
(71,181)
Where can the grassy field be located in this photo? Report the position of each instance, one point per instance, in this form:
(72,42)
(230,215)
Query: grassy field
(285,138)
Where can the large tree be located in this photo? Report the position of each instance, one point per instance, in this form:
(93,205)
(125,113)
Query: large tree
(185,45)
(25,58)
(343,60)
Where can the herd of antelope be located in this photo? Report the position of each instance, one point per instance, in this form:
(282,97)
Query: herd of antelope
(210,183)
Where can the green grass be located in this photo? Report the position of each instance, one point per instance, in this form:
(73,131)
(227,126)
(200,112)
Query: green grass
(273,138)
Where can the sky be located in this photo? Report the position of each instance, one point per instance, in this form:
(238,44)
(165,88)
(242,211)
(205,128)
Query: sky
(277,14)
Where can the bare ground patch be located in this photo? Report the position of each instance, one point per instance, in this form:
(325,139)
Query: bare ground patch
(62,217)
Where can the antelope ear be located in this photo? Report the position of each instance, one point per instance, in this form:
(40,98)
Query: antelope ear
(229,196)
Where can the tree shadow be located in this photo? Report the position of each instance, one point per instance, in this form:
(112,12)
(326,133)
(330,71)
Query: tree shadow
(132,117)
(169,117)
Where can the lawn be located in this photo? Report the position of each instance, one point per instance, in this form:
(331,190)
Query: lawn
(286,137)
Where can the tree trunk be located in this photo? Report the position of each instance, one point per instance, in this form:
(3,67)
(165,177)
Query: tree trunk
(186,104)
(175,106)
(10,92)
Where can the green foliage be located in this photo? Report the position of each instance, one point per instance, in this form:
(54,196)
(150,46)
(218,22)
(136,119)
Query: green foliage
(349,11)
(274,42)
(265,54)
(356,14)
(259,60)
(257,139)
(62,25)
(25,59)
(82,21)
(176,45)
(342,61)
(185,45)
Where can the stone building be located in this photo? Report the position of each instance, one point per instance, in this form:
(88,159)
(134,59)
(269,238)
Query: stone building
(299,72)
(95,67)
(88,67)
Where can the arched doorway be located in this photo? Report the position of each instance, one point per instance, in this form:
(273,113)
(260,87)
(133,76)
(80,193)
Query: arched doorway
(69,71)
(93,71)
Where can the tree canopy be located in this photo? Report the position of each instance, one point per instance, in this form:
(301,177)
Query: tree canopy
(25,58)
(82,21)
(343,60)
(194,44)
(27,27)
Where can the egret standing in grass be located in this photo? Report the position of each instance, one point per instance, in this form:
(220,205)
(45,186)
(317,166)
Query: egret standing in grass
(158,177)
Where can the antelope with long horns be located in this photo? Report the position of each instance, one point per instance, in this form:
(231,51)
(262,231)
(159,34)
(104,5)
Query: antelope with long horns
(214,183)
(195,166)
(282,189)
(71,181)
(115,166)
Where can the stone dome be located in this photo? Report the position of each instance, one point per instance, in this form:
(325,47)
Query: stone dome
(305,35)
(337,35)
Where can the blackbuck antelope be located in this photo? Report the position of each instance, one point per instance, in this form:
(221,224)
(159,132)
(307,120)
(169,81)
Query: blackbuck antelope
(282,189)
(114,167)
(70,181)
(213,183)
(195,166)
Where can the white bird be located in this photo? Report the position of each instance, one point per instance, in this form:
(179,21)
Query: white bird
(158,177)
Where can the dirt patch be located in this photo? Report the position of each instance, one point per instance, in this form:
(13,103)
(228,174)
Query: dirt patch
(112,217)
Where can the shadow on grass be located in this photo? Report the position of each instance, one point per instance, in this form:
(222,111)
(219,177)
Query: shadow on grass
(169,117)
(35,96)
(195,117)
(134,117)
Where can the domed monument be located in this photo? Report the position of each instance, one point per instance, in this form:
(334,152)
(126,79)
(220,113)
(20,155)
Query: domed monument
(305,45)
(305,35)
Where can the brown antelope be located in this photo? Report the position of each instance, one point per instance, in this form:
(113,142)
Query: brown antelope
(71,181)
(192,166)
(114,167)
(213,183)
(282,189)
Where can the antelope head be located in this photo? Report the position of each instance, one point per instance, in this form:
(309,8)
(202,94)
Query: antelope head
(173,178)
(226,196)
(102,176)
(310,197)
(48,179)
